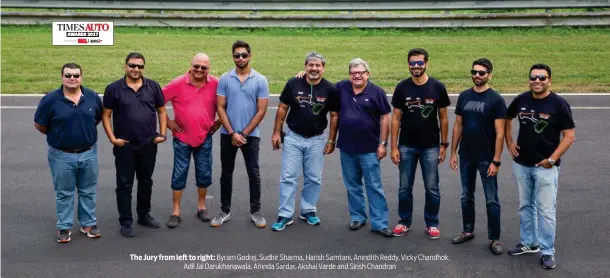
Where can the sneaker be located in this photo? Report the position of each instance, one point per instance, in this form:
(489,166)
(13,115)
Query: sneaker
(258,220)
(173,221)
(496,247)
(547,261)
(281,223)
(311,218)
(220,218)
(63,236)
(149,221)
(355,225)
(400,230)
(433,233)
(462,237)
(522,249)
(92,232)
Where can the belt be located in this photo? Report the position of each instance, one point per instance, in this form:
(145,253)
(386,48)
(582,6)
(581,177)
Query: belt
(75,150)
(312,135)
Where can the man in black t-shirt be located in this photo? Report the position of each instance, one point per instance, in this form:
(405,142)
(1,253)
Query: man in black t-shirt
(417,102)
(546,131)
(308,100)
(479,131)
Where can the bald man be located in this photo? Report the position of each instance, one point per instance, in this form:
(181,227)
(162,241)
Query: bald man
(193,97)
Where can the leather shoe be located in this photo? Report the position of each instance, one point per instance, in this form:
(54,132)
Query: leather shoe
(355,225)
(127,231)
(149,222)
(384,232)
(496,247)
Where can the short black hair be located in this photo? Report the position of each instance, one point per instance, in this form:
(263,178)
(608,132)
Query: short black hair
(239,44)
(417,52)
(541,67)
(71,66)
(135,55)
(485,63)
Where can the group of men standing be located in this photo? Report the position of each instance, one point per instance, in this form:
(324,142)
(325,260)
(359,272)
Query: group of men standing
(360,116)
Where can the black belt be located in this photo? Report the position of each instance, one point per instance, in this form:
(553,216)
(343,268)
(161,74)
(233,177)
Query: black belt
(75,150)
(311,135)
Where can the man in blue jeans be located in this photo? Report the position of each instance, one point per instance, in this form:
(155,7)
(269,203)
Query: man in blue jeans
(479,131)
(305,100)
(364,123)
(417,102)
(69,117)
(546,131)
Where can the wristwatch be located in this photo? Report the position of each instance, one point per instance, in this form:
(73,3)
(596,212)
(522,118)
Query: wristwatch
(497,163)
(384,143)
(445,144)
(162,135)
(552,161)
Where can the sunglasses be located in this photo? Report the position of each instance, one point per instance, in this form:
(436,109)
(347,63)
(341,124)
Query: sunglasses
(242,55)
(419,63)
(354,73)
(539,77)
(204,68)
(135,65)
(69,75)
(479,72)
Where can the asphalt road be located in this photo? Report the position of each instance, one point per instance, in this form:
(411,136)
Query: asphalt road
(28,216)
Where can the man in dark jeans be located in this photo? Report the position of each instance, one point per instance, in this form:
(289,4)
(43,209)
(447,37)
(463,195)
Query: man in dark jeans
(242,98)
(479,131)
(135,101)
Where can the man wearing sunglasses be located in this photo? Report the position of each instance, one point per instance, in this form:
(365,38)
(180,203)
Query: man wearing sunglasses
(479,132)
(193,97)
(69,117)
(133,102)
(242,98)
(419,103)
(546,132)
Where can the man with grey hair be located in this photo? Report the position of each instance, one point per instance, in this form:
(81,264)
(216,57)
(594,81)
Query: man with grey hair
(364,125)
(305,101)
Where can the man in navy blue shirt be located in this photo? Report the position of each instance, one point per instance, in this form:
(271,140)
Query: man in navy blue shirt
(69,117)
(364,123)
(479,131)
(546,131)
(417,102)
(135,101)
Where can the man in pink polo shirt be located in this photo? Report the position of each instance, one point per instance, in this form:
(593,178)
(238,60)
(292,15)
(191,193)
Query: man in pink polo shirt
(193,97)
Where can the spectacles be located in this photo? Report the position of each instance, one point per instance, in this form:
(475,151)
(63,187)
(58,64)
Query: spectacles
(204,68)
(479,72)
(539,77)
(69,75)
(419,63)
(135,65)
(358,73)
(243,55)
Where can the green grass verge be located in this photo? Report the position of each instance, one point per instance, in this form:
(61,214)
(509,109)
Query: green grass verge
(578,56)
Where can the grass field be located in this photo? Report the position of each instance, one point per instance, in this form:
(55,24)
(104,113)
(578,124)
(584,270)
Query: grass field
(578,56)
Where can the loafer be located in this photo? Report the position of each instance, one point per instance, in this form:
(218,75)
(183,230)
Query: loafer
(496,247)
(355,225)
(173,221)
(149,222)
(384,232)
(203,215)
(462,237)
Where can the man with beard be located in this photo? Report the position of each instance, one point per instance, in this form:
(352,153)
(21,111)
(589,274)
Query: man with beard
(418,101)
(479,131)
(135,101)
(242,98)
(69,117)
(193,97)
(546,131)
(364,123)
(304,142)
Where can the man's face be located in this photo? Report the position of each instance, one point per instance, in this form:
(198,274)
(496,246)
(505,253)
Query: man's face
(314,69)
(134,68)
(71,78)
(358,76)
(480,76)
(241,57)
(199,69)
(417,65)
(539,81)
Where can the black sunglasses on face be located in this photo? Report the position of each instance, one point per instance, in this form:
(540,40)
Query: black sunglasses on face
(479,72)
(243,55)
(204,68)
(419,63)
(539,77)
(136,65)
(69,75)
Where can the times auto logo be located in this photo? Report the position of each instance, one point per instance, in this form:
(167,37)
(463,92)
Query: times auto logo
(81,41)
(83,33)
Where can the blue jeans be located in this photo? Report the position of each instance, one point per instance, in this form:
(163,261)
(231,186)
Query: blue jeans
(354,168)
(468,174)
(72,172)
(537,205)
(202,156)
(428,159)
(307,153)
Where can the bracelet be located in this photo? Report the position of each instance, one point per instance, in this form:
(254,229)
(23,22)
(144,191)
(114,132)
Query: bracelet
(330,142)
